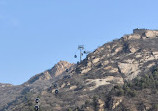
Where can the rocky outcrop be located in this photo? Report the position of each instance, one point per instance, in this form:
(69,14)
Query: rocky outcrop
(60,67)
(132,36)
(105,81)
(58,70)
(101,105)
(115,101)
(130,70)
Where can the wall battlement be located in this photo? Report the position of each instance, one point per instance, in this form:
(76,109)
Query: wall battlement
(146,32)
(141,34)
(139,31)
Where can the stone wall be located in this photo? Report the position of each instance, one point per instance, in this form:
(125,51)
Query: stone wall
(139,31)
(146,32)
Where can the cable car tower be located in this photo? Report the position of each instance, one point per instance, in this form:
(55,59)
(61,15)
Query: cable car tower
(81,48)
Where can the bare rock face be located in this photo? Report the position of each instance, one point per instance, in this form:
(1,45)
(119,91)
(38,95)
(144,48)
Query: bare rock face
(132,36)
(101,105)
(151,34)
(45,76)
(130,70)
(115,102)
(58,70)
(104,81)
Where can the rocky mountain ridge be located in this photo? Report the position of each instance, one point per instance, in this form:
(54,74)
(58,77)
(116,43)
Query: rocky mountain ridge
(58,70)
(9,93)
(114,63)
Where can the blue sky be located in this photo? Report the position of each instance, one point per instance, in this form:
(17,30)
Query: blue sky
(36,34)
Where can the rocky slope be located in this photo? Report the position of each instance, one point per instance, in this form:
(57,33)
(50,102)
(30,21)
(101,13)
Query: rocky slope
(58,70)
(10,94)
(87,86)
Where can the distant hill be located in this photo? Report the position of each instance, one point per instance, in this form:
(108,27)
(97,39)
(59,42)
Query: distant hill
(120,75)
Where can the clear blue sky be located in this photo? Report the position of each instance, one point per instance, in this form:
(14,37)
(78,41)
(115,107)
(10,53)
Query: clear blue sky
(36,34)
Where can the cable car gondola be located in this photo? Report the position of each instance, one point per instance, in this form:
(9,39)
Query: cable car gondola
(75,56)
(56,91)
(67,70)
(55,85)
(37,100)
(36,107)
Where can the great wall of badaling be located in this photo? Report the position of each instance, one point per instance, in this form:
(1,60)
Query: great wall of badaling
(141,34)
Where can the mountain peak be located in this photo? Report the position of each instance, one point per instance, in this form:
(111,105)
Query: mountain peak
(57,70)
(61,67)
(62,63)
